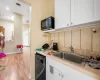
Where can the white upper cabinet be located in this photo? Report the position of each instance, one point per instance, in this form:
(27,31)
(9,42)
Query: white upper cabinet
(62,13)
(82,11)
(74,12)
(96,10)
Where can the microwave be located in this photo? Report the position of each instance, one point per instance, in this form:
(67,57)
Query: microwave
(47,24)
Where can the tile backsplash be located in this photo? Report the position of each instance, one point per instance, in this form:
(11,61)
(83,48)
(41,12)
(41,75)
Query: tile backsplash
(84,40)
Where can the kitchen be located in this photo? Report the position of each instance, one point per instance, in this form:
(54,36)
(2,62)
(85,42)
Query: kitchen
(76,25)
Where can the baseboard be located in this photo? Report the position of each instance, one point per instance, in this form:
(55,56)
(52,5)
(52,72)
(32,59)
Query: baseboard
(11,53)
(26,46)
(30,77)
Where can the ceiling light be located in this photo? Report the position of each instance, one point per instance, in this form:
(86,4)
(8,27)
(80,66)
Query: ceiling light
(7,8)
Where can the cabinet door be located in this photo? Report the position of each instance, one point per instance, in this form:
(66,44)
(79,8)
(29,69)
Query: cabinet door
(97,10)
(81,11)
(62,13)
(52,73)
(63,72)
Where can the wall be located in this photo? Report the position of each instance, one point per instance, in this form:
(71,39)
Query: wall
(83,40)
(10,46)
(26,35)
(40,10)
(18,26)
(26,27)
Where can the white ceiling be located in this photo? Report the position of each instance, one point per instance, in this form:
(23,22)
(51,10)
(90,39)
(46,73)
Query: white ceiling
(24,10)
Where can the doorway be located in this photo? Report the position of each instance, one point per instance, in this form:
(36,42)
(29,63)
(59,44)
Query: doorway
(15,18)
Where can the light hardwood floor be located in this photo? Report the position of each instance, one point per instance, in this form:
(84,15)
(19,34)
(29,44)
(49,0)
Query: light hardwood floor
(17,67)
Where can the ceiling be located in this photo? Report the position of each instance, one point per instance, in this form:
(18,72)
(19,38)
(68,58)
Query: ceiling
(9,7)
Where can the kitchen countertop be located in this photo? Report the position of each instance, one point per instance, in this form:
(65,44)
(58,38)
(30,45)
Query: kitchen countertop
(95,73)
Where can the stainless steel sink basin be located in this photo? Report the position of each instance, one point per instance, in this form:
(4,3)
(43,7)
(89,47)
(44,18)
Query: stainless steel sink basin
(69,56)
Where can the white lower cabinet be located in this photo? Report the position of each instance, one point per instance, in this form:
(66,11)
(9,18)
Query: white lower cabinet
(57,71)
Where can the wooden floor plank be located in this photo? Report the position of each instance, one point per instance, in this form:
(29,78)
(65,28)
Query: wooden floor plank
(15,68)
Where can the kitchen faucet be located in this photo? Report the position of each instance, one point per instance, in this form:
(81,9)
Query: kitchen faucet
(72,49)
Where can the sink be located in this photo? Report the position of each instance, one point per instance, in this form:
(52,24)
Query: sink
(69,56)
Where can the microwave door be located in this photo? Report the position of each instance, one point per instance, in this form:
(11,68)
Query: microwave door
(43,25)
(48,24)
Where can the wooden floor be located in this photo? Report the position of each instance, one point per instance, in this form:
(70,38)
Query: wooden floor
(15,68)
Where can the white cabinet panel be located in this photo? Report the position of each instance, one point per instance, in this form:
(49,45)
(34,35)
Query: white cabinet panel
(52,76)
(63,72)
(62,13)
(81,11)
(97,10)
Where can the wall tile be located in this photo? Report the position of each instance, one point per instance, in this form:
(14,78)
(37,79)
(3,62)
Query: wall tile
(86,39)
(61,40)
(52,36)
(96,40)
(56,37)
(83,40)
(68,39)
(76,39)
